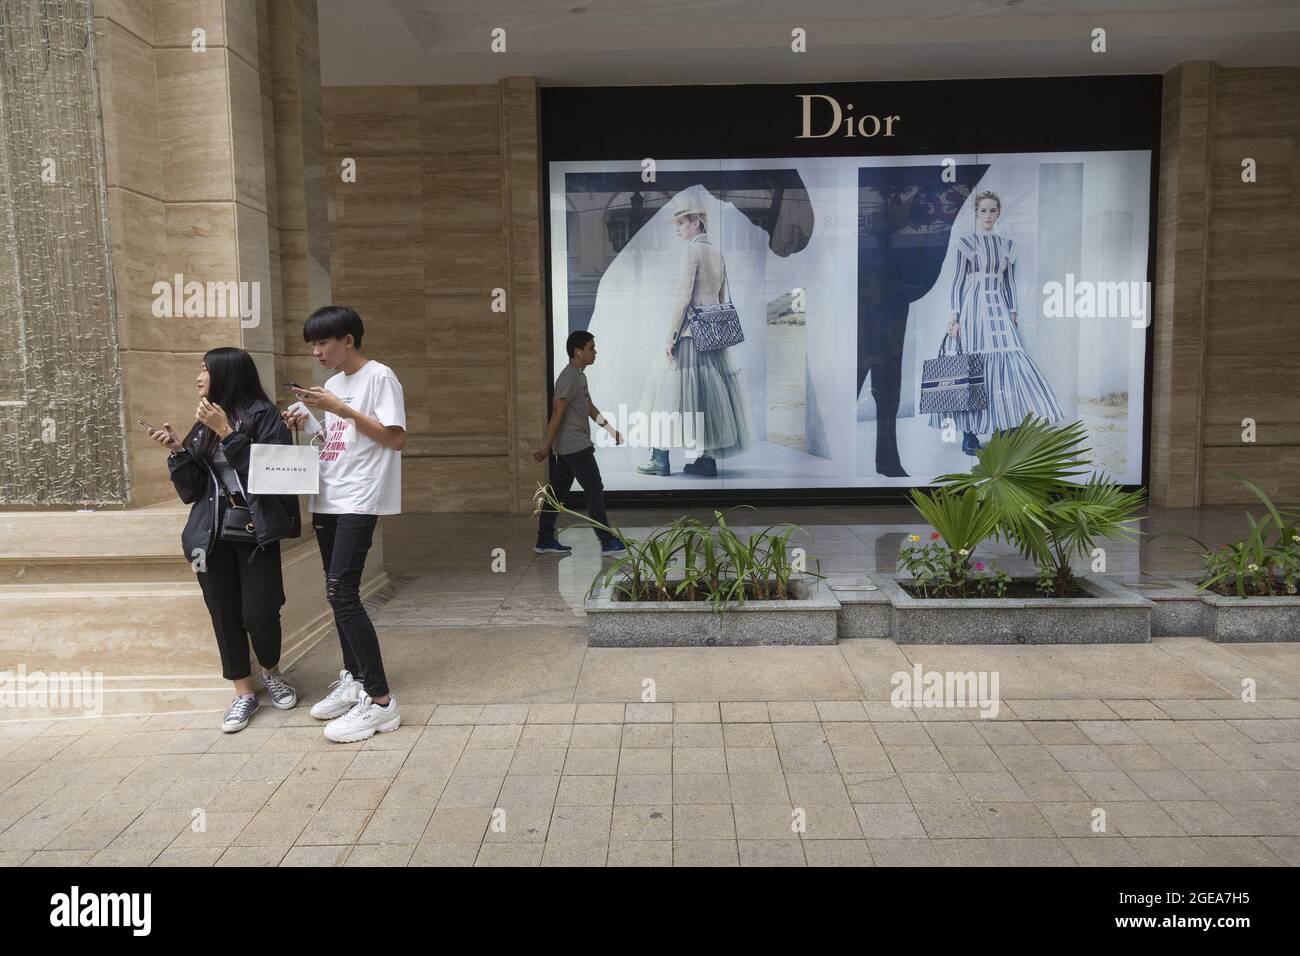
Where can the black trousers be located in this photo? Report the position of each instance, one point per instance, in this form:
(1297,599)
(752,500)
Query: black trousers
(344,541)
(564,469)
(244,591)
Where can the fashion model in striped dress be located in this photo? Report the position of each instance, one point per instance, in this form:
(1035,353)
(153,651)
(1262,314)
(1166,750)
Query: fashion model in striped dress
(984,318)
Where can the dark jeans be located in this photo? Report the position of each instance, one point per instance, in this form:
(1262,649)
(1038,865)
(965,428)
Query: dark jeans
(344,541)
(244,599)
(564,469)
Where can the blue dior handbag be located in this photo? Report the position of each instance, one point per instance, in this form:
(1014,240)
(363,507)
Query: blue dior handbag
(953,383)
(714,326)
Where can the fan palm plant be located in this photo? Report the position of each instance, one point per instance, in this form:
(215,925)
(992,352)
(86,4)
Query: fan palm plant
(1082,514)
(1023,475)
(1017,474)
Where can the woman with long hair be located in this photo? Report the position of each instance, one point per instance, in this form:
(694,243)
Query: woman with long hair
(984,317)
(237,562)
(699,386)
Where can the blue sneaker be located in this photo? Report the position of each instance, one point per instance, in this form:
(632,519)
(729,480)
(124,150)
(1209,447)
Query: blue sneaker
(552,547)
(613,546)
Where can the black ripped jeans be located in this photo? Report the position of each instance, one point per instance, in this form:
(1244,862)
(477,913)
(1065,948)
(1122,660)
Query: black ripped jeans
(344,541)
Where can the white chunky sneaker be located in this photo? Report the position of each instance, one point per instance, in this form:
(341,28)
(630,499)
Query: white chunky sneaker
(364,720)
(341,698)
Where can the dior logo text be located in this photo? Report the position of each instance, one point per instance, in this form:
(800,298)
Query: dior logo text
(866,126)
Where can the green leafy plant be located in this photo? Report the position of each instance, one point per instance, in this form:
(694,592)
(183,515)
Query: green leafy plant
(940,570)
(944,566)
(1017,474)
(1076,519)
(1023,477)
(963,521)
(778,568)
(714,562)
(1265,562)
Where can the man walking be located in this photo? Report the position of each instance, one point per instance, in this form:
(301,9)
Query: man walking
(571,452)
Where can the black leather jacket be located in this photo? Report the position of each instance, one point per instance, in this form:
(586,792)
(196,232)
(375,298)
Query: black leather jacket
(274,516)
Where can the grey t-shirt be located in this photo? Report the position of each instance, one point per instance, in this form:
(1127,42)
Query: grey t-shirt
(575,433)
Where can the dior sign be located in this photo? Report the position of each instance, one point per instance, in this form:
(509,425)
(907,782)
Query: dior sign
(865,126)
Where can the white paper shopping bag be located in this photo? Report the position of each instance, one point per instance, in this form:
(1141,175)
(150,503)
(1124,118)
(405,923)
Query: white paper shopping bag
(284,469)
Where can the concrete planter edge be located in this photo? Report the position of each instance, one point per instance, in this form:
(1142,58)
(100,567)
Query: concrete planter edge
(807,620)
(1113,615)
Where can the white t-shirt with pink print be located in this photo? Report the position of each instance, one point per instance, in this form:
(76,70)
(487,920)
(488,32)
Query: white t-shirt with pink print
(358,475)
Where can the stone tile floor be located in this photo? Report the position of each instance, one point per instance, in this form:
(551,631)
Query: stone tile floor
(521,745)
(796,782)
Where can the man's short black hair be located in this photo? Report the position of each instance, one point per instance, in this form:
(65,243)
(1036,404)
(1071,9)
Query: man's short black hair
(577,340)
(334,322)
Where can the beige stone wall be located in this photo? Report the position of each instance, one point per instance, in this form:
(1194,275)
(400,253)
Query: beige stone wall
(1227,282)
(214,171)
(291,111)
(187,194)
(446,208)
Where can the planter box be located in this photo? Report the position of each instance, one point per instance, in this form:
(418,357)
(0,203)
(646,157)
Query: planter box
(809,618)
(1182,611)
(1234,620)
(865,610)
(1113,615)
(1177,611)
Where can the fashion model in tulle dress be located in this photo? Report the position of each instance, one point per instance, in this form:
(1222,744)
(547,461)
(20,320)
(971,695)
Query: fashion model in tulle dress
(705,386)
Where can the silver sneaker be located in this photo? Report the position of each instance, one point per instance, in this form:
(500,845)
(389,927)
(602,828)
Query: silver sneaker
(283,696)
(343,695)
(241,711)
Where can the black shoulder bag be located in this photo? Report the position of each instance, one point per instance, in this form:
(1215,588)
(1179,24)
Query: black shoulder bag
(237,522)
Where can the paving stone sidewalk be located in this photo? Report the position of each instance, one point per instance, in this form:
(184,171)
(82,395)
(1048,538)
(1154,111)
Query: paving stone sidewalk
(790,783)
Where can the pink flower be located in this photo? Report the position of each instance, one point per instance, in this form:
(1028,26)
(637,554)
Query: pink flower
(979,565)
(934,536)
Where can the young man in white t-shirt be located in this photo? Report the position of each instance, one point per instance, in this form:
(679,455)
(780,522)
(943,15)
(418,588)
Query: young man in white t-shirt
(360,479)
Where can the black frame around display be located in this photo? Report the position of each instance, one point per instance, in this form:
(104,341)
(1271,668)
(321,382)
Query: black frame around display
(1053,114)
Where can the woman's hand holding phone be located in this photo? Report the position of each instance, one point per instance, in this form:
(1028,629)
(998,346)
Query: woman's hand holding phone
(166,437)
